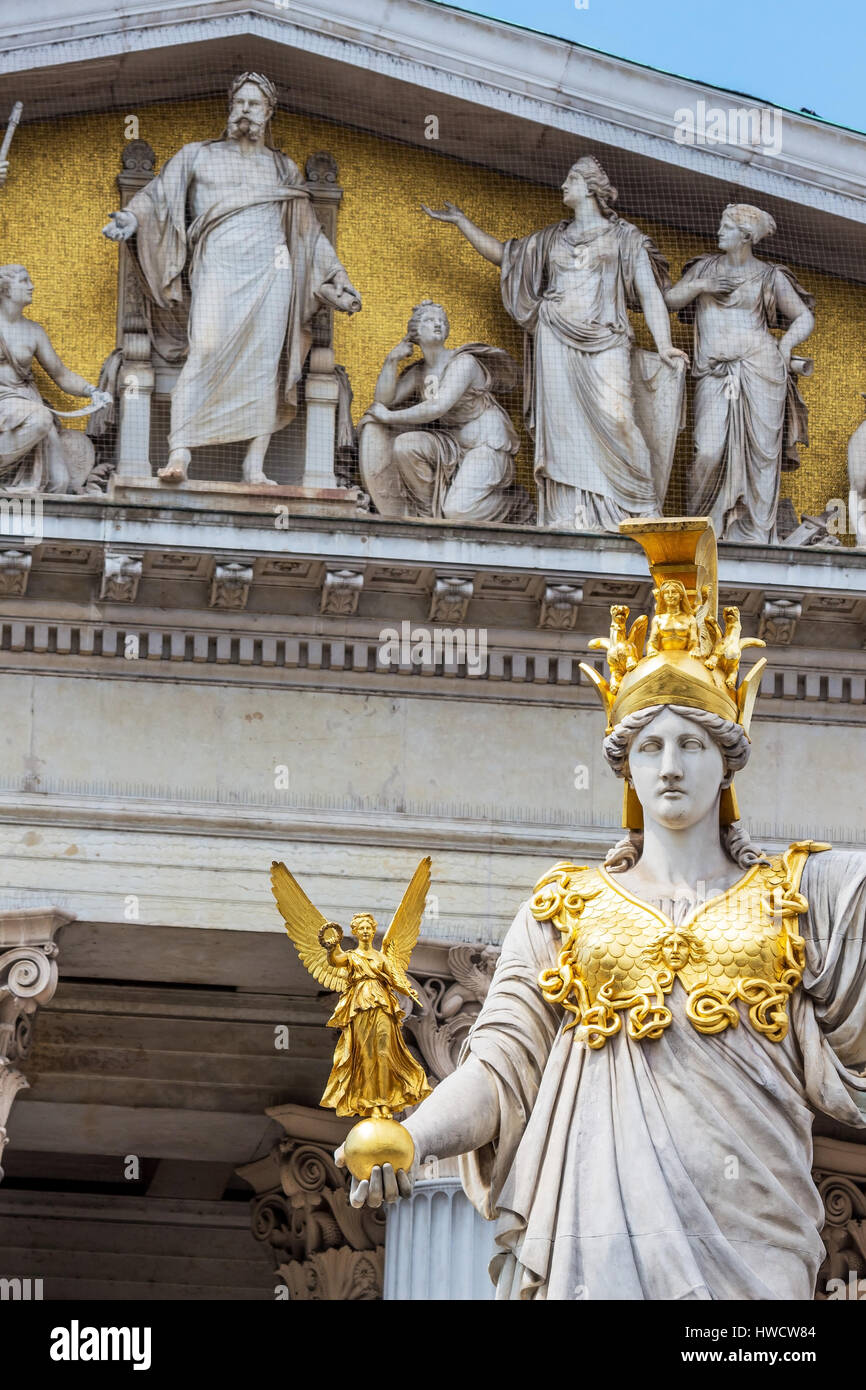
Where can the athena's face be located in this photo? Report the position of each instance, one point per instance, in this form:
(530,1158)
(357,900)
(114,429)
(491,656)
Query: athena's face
(676,769)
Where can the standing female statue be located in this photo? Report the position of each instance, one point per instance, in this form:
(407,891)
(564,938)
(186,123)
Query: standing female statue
(634,1102)
(749,414)
(570,287)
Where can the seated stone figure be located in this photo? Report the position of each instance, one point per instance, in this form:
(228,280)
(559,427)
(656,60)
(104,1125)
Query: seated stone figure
(436,442)
(35,456)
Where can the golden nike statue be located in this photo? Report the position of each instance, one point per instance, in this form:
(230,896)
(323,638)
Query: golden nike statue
(374,1074)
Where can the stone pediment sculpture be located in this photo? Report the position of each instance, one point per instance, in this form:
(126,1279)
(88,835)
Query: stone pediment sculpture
(659,1031)
(857,482)
(436,442)
(231,218)
(604,414)
(36,455)
(749,414)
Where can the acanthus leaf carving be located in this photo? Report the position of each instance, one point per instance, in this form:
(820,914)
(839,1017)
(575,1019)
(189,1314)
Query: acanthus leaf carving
(451,1007)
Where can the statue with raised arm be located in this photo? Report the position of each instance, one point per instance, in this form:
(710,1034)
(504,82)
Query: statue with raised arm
(230,218)
(436,442)
(634,1103)
(35,456)
(374,1073)
(603,414)
(749,414)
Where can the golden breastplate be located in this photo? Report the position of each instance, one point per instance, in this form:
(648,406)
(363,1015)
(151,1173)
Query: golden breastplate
(620,956)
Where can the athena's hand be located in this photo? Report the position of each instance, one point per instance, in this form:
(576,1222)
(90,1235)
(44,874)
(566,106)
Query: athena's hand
(383,1184)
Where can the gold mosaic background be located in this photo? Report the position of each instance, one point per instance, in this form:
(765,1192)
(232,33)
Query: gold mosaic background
(62,186)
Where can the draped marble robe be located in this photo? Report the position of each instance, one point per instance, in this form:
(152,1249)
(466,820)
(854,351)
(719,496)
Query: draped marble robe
(612,1178)
(749,414)
(254,255)
(592,460)
(25,466)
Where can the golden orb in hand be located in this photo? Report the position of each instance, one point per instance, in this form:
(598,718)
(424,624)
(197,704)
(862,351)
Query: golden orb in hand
(377,1141)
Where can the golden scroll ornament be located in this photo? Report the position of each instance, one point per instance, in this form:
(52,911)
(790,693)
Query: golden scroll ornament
(620,957)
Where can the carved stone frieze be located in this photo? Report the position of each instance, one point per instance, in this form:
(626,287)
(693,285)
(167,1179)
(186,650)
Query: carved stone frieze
(559,606)
(230,585)
(138,158)
(14,572)
(843,1273)
(121,575)
(341,592)
(450,598)
(340,1274)
(778,621)
(451,1006)
(321,1247)
(321,167)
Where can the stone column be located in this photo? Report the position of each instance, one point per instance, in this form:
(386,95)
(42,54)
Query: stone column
(438,1246)
(28,978)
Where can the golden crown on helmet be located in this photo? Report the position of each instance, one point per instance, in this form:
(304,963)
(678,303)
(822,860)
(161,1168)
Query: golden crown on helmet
(687,657)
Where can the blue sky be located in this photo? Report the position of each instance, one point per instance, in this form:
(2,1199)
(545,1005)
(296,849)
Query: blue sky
(790,53)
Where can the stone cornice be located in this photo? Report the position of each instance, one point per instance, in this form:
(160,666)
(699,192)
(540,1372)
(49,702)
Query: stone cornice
(541,77)
(436,826)
(508,99)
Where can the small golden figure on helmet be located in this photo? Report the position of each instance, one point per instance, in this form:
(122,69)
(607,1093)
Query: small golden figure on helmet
(674,627)
(725,659)
(623,651)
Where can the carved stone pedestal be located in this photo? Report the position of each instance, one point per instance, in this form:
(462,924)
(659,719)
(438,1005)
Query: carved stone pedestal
(210,496)
(438,1246)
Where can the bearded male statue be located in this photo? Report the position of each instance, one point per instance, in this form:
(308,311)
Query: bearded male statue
(229,218)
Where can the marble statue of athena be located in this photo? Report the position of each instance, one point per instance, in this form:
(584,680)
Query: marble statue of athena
(259,266)
(601,453)
(634,1102)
